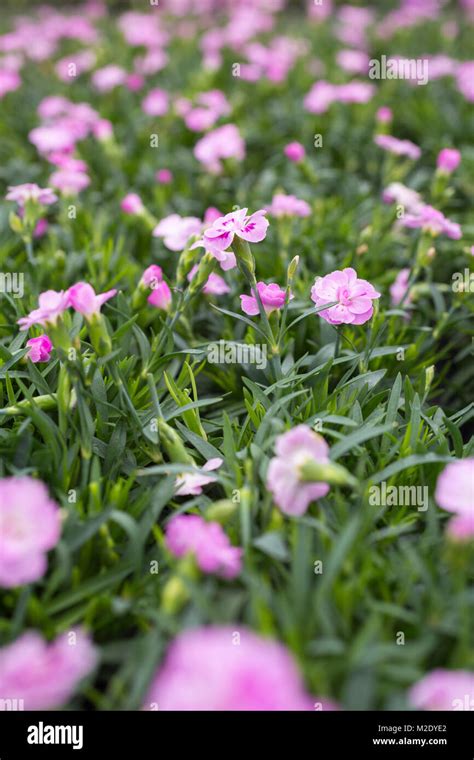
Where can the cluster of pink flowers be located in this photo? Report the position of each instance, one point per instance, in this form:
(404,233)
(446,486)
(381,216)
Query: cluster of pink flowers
(455,493)
(43,675)
(228,668)
(432,221)
(323,94)
(29,528)
(192,483)
(207,542)
(29,192)
(51,304)
(288,205)
(222,143)
(404,196)
(272,297)
(398,147)
(218,238)
(273,61)
(293,449)
(353,295)
(209,107)
(444,690)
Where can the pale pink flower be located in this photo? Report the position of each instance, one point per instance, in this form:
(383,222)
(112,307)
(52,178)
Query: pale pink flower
(132,204)
(404,196)
(293,449)
(134,82)
(354,297)
(227,668)
(177,230)
(399,287)
(21,194)
(160,296)
(353,61)
(444,690)
(40,349)
(215,285)
(191,534)
(448,160)
(384,115)
(83,299)
(9,81)
(455,493)
(465,80)
(272,298)
(69,182)
(156,103)
(164,176)
(102,130)
(398,147)
(53,106)
(72,66)
(108,77)
(54,137)
(151,276)
(295,151)
(431,220)
(29,527)
(323,94)
(222,143)
(45,675)
(288,205)
(51,304)
(191,484)
(211,214)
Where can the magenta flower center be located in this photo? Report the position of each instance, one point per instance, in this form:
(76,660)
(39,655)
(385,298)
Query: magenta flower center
(344,295)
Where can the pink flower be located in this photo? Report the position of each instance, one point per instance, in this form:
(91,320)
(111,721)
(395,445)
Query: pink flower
(397,192)
(215,285)
(164,176)
(83,298)
(29,527)
(160,296)
(109,77)
(455,493)
(293,449)
(353,61)
(399,287)
(70,182)
(176,230)
(220,235)
(191,484)
(55,137)
(448,160)
(9,81)
(227,668)
(444,690)
(51,305)
(354,297)
(45,675)
(323,94)
(433,221)
(272,298)
(210,215)
(465,80)
(152,276)
(132,204)
(102,130)
(156,103)
(134,82)
(191,534)
(223,142)
(384,115)
(398,147)
(288,205)
(21,194)
(40,349)
(295,151)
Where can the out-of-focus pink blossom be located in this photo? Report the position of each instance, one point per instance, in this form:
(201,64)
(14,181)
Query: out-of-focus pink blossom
(177,230)
(21,194)
(272,297)
(164,176)
(398,193)
(433,221)
(288,205)
(448,160)
(293,449)
(132,204)
(215,285)
(227,668)
(455,493)
(156,103)
(191,534)
(29,528)
(42,675)
(354,297)
(160,296)
(399,287)
(9,81)
(295,151)
(323,94)
(384,115)
(222,143)
(108,77)
(51,304)
(40,349)
(151,276)
(83,298)
(444,690)
(398,147)
(353,61)
(69,182)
